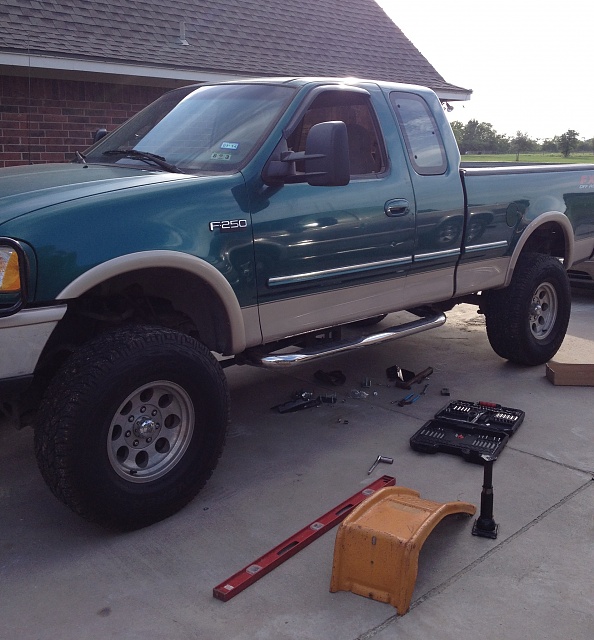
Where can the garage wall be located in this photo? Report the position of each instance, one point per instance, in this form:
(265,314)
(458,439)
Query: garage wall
(47,120)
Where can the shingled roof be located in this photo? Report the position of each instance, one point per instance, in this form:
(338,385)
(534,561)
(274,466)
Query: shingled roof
(228,37)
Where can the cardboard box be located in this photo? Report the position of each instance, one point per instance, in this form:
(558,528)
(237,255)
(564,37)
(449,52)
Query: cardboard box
(560,373)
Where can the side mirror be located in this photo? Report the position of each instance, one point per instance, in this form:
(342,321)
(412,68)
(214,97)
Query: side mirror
(324,163)
(100,133)
(327,162)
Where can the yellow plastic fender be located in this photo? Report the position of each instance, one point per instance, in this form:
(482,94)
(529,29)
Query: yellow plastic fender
(376,553)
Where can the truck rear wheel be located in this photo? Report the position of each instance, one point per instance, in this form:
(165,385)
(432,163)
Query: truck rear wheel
(132,426)
(527,321)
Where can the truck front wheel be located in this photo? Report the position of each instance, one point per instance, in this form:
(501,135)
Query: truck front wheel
(527,321)
(133,426)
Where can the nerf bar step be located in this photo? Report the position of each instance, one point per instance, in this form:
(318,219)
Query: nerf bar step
(276,361)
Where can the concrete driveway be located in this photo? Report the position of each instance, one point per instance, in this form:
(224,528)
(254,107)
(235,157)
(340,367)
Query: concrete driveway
(62,578)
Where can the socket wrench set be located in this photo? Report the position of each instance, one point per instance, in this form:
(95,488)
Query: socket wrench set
(468,429)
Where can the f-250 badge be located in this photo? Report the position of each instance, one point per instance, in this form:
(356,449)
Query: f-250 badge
(227,225)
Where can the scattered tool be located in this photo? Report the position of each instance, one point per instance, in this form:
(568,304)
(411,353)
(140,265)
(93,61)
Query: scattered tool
(406,400)
(269,561)
(358,394)
(410,398)
(384,459)
(303,400)
(399,374)
(485,526)
(403,380)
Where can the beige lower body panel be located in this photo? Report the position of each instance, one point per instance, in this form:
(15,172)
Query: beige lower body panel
(251,322)
(477,276)
(301,314)
(23,337)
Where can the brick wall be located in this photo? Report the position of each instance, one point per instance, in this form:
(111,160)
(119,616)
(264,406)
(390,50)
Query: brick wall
(43,120)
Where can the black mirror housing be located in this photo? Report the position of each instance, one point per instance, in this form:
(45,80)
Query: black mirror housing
(100,133)
(325,159)
(327,162)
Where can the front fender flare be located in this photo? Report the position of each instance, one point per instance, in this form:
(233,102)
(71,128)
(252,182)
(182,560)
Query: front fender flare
(166,259)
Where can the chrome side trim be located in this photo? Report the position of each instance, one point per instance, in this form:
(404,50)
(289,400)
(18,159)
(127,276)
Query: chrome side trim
(437,254)
(338,271)
(288,359)
(501,244)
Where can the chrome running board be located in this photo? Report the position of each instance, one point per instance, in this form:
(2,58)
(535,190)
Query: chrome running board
(279,361)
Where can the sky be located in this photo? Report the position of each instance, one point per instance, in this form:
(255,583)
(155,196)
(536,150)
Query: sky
(529,63)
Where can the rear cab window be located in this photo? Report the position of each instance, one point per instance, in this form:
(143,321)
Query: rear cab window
(422,137)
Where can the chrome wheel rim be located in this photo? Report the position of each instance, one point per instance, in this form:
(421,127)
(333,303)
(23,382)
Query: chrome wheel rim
(543,311)
(151,431)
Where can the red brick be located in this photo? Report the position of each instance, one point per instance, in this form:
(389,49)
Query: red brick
(45,113)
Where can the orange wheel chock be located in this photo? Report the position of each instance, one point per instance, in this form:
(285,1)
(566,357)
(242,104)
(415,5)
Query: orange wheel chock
(376,553)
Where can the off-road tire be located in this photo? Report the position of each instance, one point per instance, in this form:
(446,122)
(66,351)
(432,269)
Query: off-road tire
(132,426)
(527,321)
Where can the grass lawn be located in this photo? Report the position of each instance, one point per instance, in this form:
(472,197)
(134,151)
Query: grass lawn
(539,158)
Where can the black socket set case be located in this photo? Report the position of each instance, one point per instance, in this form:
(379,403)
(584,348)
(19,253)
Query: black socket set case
(468,429)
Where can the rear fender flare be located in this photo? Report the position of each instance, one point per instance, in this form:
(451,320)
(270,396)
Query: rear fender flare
(545,218)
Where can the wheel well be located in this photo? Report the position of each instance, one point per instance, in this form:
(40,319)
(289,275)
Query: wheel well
(165,297)
(549,239)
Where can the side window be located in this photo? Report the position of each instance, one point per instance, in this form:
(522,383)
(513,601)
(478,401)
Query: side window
(365,150)
(421,134)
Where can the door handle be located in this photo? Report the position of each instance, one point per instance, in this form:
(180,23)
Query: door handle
(395,208)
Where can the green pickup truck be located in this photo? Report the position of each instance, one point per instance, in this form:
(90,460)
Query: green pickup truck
(227,222)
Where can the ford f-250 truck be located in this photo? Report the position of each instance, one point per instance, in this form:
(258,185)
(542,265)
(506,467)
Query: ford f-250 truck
(238,219)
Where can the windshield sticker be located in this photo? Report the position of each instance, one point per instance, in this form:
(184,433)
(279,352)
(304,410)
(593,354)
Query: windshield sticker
(232,146)
(220,156)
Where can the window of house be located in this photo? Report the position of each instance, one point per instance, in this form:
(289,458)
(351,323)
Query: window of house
(421,134)
(365,150)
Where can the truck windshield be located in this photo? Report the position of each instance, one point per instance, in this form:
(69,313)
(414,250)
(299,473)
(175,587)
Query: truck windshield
(213,128)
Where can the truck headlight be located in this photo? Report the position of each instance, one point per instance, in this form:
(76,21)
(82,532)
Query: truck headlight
(10,273)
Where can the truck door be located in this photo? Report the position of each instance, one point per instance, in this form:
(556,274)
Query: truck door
(440,220)
(327,255)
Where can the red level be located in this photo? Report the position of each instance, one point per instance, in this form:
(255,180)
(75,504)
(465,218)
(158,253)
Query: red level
(269,561)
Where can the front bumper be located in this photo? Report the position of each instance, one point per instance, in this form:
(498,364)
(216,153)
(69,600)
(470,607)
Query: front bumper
(23,337)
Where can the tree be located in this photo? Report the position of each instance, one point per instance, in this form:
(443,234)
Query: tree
(479,137)
(458,130)
(568,141)
(550,145)
(585,146)
(521,143)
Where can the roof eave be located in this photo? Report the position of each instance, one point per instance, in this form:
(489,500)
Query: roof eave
(17,63)
(453,94)
(78,68)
